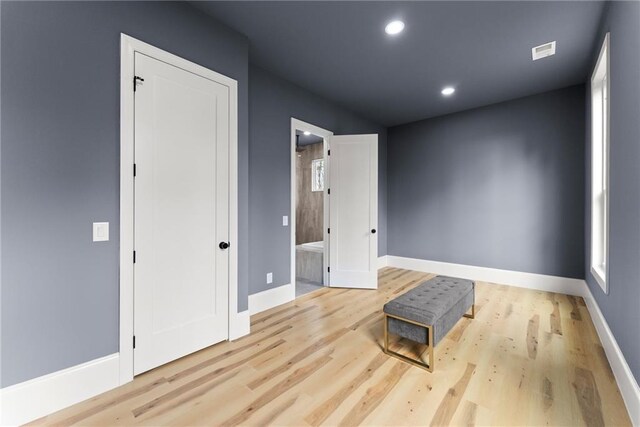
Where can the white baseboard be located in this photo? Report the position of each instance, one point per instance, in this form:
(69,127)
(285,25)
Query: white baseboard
(239,325)
(271,297)
(383,261)
(564,285)
(27,401)
(624,377)
(30,400)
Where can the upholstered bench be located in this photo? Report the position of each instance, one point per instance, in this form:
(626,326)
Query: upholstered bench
(427,312)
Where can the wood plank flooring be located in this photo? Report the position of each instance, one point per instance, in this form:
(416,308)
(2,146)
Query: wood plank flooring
(528,358)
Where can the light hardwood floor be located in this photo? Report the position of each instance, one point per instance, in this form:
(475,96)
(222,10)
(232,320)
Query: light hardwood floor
(528,358)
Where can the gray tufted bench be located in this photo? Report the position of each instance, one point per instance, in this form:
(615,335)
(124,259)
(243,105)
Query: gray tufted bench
(427,312)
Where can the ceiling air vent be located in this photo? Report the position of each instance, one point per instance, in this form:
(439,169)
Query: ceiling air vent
(543,50)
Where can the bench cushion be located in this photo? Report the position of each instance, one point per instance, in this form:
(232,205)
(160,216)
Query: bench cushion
(438,302)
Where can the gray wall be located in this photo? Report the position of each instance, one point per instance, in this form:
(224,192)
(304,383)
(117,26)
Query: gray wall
(500,186)
(620,306)
(272,103)
(60,168)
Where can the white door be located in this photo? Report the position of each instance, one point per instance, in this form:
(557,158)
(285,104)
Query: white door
(181,213)
(353,217)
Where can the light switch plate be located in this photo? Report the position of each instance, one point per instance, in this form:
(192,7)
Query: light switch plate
(100,231)
(269,278)
(285,221)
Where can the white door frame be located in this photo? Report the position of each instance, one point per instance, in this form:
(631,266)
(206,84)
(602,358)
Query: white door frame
(325,134)
(128,47)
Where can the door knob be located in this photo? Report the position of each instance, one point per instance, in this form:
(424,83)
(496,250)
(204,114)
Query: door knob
(373,231)
(223,245)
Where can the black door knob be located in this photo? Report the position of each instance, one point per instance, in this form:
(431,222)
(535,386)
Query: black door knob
(373,231)
(223,245)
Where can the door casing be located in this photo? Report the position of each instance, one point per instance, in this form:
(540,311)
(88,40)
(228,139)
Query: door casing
(238,322)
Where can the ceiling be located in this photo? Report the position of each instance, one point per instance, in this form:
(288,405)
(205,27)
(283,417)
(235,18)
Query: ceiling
(307,139)
(339,50)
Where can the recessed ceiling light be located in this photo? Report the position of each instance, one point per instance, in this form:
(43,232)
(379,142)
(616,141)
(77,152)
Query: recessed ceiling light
(307,133)
(448,91)
(394,27)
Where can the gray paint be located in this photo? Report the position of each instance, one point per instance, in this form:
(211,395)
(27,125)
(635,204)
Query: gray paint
(499,186)
(272,103)
(60,168)
(620,306)
(484,48)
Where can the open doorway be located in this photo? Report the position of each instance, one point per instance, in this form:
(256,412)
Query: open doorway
(309,207)
(346,255)
(310,180)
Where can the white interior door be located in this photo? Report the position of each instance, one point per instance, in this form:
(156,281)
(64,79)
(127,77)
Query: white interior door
(181,213)
(353,216)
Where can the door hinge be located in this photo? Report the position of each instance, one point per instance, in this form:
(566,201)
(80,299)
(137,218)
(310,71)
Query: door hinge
(135,82)
(328,269)
(328,191)
(134,341)
(134,257)
(328,152)
(134,169)
(328,231)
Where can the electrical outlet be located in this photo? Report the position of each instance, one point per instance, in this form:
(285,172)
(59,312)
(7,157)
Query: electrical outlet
(269,278)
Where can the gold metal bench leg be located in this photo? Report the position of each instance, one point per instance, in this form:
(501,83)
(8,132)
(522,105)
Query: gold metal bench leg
(386,334)
(402,357)
(431,349)
(473,312)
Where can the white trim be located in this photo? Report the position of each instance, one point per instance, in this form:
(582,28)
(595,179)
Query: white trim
(238,323)
(126,207)
(520,279)
(271,298)
(383,261)
(24,402)
(624,377)
(241,326)
(599,274)
(325,134)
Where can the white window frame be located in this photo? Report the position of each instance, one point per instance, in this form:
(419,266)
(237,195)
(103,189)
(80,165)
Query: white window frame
(600,167)
(317,175)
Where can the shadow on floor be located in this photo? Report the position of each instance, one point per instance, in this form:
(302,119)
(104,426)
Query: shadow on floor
(303,287)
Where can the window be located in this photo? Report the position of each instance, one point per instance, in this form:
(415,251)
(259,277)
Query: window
(317,175)
(600,166)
